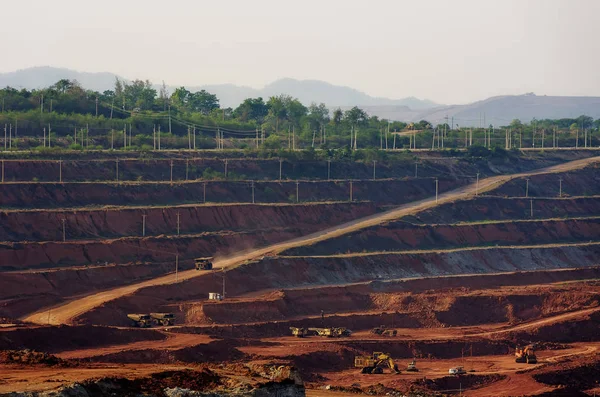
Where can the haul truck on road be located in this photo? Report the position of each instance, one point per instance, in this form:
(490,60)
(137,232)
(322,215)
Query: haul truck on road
(204,263)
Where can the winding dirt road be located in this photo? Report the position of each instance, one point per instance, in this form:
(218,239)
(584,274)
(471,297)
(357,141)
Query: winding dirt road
(65,313)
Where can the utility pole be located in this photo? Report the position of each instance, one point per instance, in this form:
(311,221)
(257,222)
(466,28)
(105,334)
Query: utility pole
(531,208)
(60,171)
(187,166)
(117,173)
(374,162)
(194,137)
(5,142)
(394,148)
(144,225)
(176,266)
(252,184)
(178,223)
(64,230)
(225,168)
(386,136)
(171,172)
(436,190)
(280,168)
(477,186)
(189,138)
(2,171)
(112,105)
(170,132)
(527,187)
(159,137)
(112,139)
(44,136)
(154,135)
(297,192)
(350,190)
(560,187)
(223,270)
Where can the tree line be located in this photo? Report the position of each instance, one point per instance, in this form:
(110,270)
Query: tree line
(274,123)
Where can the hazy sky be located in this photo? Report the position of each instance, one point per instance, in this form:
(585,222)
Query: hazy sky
(450,51)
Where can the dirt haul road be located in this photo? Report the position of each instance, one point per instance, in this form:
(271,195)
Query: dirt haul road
(65,313)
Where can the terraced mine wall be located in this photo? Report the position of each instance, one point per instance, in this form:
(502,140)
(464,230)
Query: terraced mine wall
(583,182)
(68,195)
(500,208)
(157,166)
(399,236)
(287,272)
(44,225)
(430,309)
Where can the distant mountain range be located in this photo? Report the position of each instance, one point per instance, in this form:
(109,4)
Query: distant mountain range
(497,111)
(230,95)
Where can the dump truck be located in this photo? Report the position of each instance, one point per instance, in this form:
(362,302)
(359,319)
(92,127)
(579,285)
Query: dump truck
(299,332)
(457,371)
(525,355)
(163,318)
(204,263)
(412,366)
(140,320)
(332,332)
(375,363)
(382,330)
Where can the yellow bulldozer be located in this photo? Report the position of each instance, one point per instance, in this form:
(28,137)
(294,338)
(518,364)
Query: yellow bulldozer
(525,355)
(376,363)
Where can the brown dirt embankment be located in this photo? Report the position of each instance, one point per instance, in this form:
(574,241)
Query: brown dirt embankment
(450,308)
(499,208)
(89,167)
(69,195)
(25,256)
(46,225)
(53,339)
(397,236)
(583,182)
(24,292)
(289,272)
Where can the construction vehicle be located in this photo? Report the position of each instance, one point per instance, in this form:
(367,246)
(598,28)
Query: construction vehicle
(374,364)
(412,366)
(525,355)
(215,296)
(332,332)
(299,332)
(382,330)
(140,320)
(204,263)
(457,371)
(163,318)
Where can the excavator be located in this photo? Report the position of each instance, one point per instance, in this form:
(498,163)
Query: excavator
(374,364)
(525,355)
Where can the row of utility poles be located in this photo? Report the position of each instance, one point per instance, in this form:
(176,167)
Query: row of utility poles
(187,168)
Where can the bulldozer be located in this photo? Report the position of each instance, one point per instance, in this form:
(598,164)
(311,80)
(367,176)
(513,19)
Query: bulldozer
(140,320)
(525,355)
(383,331)
(412,366)
(332,332)
(374,364)
(163,318)
(299,332)
(204,263)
